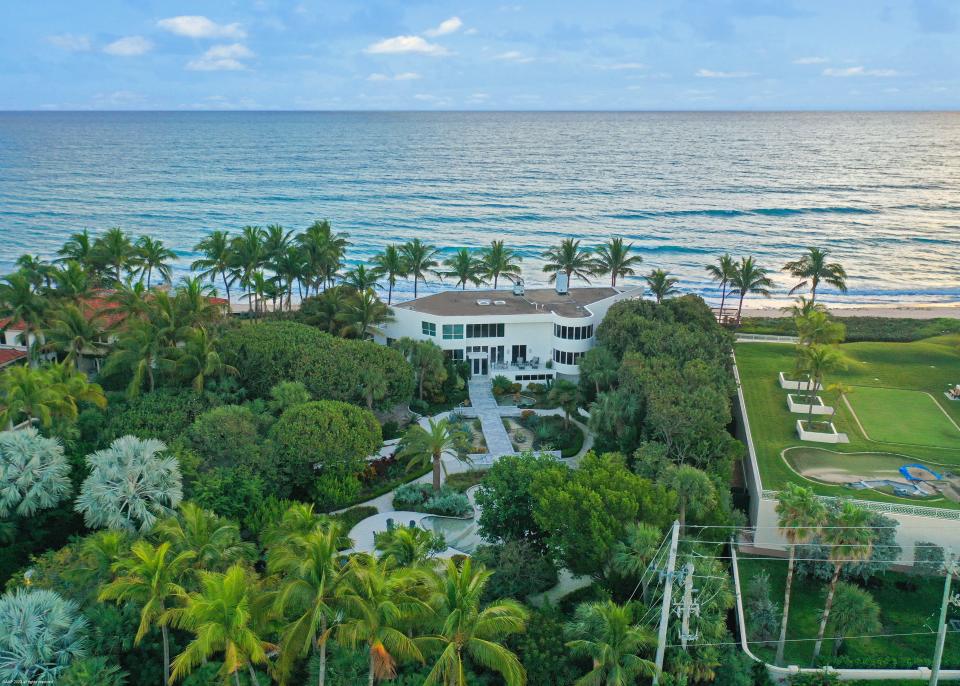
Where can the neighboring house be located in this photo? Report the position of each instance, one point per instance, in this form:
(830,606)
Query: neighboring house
(11,356)
(526,335)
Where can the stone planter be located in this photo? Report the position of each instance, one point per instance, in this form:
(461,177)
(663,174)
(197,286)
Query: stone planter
(791,385)
(833,436)
(795,404)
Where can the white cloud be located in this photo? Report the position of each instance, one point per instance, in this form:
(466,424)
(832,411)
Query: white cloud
(403,76)
(623,66)
(195,26)
(710,74)
(859,71)
(811,60)
(513,56)
(405,44)
(450,25)
(222,58)
(129,46)
(70,42)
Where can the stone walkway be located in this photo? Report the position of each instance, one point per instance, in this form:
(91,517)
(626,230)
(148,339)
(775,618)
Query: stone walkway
(484,406)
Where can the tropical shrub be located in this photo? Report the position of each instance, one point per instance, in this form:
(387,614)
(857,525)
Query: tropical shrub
(234,492)
(131,485)
(350,518)
(162,414)
(519,569)
(545,657)
(40,635)
(226,436)
(93,670)
(763,615)
(420,497)
(321,446)
(287,394)
(450,504)
(501,385)
(330,368)
(411,496)
(34,474)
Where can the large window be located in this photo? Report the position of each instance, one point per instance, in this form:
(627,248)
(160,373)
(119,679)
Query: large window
(455,354)
(452,332)
(532,377)
(485,330)
(564,357)
(573,333)
(428,328)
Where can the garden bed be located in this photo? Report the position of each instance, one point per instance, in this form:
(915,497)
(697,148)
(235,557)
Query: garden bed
(549,432)
(819,432)
(800,403)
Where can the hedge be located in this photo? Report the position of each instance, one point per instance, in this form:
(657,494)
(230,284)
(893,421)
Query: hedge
(879,329)
(331,368)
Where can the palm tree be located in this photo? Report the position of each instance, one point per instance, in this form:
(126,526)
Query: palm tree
(34,474)
(465,267)
(20,303)
(138,351)
(149,577)
(46,394)
(326,311)
(323,251)
(813,268)
(74,387)
(193,304)
(420,260)
(380,601)
(199,359)
(151,254)
(467,630)
(818,360)
(131,484)
(363,310)
(288,266)
(313,568)
(694,489)
(609,635)
(390,263)
(407,547)
(722,272)
(115,250)
(360,278)
(566,394)
(129,301)
(78,248)
(248,257)
(39,273)
(614,258)
(571,259)
(499,260)
(841,390)
(800,514)
(817,327)
(749,277)
(214,541)
(40,635)
(218,259)
(850,539)
(854,612)
(73,334)
(633,555)
(221,617)
(71,282)
(276,241)
(661,284)
(431,444)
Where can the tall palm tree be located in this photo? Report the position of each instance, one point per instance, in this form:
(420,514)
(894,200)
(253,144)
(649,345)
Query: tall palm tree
(694,489)
(20,303)
(661,284)
(498,260)
(566,394)
(45,394)
(360,278)
(813,269)
(288,266)
(390,263)
(749,278)
(466,630)
(73,334)
(36,270)
(380,601)
(431,444)
(326,311)
(850,538)
(465,267)
(323,251)
(151,254)
(633,555)
(214,541)
(71,282)
(800,514)
(150,577)
(408,547)
(818,360)
(722,272)
(614,258)
(571,259)
(420,260)
(609,635)
(193,304)
(138,352)
(79,248)
(218,259)
(221,617)
(248,257)
(199,359)
(129,301)
(313,569)
(363,310)
(276,241)
(817,327)
(115,250)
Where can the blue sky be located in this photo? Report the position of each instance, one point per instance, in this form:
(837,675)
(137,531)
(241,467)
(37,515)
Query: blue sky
(481,54)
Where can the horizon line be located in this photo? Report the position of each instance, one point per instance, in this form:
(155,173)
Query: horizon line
(812,110)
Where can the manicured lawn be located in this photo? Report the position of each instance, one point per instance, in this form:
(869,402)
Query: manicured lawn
(897,415)
(908,605)
(931,365)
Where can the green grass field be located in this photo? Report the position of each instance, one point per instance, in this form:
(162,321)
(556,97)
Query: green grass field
(931,365)
(897,415)
(908,609)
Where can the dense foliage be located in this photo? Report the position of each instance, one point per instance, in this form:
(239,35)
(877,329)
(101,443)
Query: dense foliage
(884,329)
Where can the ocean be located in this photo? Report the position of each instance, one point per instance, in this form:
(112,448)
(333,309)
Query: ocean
(881,191)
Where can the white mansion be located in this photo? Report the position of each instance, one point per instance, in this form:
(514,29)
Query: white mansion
(525,335)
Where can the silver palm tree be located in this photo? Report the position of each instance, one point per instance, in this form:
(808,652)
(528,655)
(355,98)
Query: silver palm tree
(34,474)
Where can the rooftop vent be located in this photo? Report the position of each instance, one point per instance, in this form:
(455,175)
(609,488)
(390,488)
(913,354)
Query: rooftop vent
(499,302)
(483,302)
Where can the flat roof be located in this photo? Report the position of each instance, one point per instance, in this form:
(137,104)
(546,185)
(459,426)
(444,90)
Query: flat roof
(455,303)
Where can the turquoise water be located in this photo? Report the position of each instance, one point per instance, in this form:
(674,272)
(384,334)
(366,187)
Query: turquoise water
(881,190)
(461,534)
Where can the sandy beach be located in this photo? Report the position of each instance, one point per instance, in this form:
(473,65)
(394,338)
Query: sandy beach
(905,311)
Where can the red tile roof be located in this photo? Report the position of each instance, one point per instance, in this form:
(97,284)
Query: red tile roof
(9,356)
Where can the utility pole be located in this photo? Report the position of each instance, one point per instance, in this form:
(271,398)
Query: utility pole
(665,608)
(942,628)
(687,602)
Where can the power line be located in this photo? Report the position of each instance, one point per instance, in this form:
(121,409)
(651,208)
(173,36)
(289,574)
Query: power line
(825,638)
(815,545)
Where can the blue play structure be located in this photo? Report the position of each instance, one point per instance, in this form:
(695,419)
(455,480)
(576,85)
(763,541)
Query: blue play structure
(910,473)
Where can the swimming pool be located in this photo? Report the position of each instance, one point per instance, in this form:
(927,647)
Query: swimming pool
(461,534)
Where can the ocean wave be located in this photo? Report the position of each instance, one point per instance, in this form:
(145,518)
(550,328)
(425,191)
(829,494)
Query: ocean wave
(760,211)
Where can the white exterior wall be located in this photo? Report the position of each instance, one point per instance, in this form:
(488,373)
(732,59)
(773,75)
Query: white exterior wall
(534,330)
